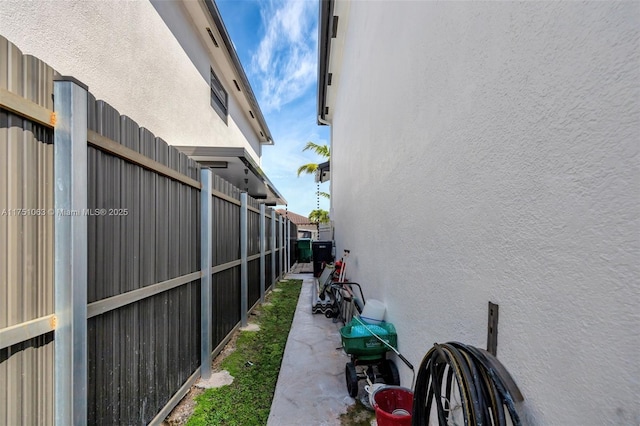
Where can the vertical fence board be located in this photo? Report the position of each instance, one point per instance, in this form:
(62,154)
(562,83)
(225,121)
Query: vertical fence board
(130,255)
(253,269)
(226,299)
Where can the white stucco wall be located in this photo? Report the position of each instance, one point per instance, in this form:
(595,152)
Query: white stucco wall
(127,55)
(490,152)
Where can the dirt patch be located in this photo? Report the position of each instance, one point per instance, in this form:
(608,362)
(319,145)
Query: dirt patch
(184,409)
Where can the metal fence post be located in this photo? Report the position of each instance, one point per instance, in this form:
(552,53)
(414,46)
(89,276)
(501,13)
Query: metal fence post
(288,228)
(282,254)
(274,249)
(263,249)
(286,245)
(206,261)
(70,242)
(291,240)
(244,285)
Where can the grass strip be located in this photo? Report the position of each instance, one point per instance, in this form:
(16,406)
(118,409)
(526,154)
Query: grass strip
(254,364)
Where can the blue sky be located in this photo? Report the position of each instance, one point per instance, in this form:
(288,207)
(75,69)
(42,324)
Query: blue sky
(276,41)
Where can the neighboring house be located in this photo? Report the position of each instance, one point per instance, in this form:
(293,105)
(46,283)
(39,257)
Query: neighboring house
(169,65)
(306,229)
(488,152)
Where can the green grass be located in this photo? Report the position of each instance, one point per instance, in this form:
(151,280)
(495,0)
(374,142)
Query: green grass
(254,364)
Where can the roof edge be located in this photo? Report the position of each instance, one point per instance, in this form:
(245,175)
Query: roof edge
(259,172)
(226,39)
(324,48)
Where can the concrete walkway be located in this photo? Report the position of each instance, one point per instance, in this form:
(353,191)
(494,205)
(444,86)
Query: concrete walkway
(311,386)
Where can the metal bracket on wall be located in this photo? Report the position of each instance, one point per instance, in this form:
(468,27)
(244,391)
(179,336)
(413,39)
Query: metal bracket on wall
(492,329)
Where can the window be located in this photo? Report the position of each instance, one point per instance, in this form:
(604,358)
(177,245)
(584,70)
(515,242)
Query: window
(219,97)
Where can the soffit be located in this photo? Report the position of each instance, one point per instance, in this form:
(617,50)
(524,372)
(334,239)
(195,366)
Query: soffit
(332,29)
(236,166)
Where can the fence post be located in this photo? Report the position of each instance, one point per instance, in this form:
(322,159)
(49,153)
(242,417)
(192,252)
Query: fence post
(206,261)
(244,291)
(282,254)
(274,249)
(288,228)
(70,245)
(263,250)
(286,244)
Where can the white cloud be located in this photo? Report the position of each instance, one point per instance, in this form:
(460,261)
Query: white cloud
(283,71)
(285,62)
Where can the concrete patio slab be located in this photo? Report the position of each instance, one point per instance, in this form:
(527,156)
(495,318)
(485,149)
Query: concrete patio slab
(311,386)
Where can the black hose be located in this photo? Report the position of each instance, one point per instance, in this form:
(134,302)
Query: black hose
(455,371)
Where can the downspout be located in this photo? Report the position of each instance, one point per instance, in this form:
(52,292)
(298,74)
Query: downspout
(326,123)
(322,121)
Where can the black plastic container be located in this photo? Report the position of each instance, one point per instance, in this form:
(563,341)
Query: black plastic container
(321,253)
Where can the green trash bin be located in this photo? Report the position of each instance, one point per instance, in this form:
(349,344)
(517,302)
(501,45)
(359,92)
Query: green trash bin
(304,250)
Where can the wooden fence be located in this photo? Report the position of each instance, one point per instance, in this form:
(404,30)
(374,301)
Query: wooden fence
(153,263)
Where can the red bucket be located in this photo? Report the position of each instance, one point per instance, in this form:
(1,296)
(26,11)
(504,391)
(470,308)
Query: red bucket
(393,405)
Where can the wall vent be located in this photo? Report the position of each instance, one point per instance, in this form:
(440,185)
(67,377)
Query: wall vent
(213,39)
(237,85)
(334,29)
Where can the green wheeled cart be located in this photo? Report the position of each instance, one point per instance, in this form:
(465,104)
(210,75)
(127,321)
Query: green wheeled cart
(368,354)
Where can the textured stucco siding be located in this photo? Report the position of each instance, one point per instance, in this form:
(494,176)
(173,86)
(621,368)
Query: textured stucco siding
(490,152)
(129,57)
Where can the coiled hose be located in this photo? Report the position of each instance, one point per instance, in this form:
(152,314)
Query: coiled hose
(464,382)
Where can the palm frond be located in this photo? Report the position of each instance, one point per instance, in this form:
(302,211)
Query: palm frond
(320,215)
(322,150)
(307,168)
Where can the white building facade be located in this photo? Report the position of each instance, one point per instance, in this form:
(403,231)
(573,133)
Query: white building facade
(489,152)
(165,64)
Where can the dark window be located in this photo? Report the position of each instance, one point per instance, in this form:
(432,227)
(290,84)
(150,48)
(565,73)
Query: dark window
(219,97)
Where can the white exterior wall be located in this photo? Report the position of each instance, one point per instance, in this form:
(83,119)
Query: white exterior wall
(490,152)
(128,56)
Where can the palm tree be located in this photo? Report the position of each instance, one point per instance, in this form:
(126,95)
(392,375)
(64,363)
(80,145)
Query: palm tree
(319,216)
(321,150)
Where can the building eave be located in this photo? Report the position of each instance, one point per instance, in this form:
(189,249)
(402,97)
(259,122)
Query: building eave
(325,31)
(235,165)
(248,91)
